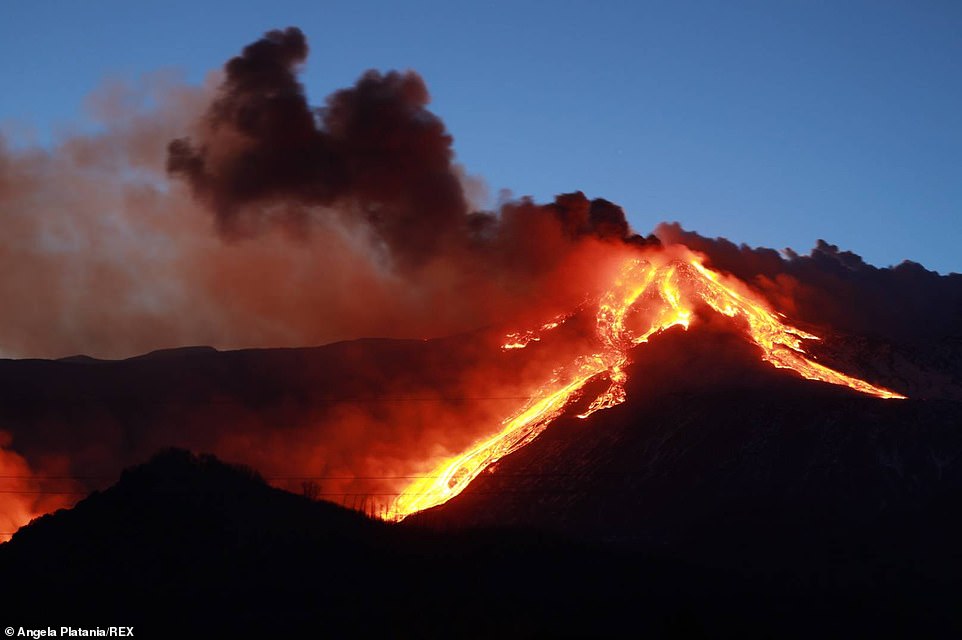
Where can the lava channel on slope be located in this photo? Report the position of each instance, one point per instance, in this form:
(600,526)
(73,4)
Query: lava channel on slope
(651,293)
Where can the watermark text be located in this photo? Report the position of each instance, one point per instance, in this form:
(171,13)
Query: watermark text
(70,632)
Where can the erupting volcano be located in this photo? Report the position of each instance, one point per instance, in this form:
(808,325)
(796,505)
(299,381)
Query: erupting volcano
(307,206)
(279,362)
(652,293)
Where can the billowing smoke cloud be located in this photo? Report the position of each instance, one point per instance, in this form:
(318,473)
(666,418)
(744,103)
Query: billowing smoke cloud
(102,254)
(374,153)
(373,150)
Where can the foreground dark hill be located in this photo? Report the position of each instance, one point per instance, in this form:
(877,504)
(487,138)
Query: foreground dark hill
(186,542)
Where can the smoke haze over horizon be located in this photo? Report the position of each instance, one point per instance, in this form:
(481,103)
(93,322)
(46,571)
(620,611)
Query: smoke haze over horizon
(288,225)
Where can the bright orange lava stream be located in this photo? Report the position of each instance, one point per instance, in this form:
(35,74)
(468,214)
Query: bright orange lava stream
(649,296)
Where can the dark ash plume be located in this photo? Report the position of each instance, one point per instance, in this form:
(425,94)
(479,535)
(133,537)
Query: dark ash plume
(373,150)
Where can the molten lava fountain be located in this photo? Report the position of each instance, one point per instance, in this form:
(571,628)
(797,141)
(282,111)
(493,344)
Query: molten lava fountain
(651,294)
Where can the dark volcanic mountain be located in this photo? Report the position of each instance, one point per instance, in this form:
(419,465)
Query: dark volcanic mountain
(718,459)
(712,437)
(724,495)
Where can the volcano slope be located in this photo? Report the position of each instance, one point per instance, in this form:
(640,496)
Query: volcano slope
(711,432)
(789,490)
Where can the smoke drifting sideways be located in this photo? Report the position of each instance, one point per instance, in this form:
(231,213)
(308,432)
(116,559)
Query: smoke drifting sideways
(103,254)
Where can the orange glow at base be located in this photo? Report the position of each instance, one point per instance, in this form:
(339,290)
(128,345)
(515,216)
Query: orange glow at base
(650,294)
(22,497)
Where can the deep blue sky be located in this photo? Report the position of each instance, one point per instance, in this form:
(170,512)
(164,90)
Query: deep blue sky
(772,122)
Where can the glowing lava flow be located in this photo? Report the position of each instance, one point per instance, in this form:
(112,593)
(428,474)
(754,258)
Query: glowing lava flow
(649,296)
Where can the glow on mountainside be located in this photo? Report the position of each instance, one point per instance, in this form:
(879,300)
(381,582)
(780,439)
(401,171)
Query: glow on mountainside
(649,295)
